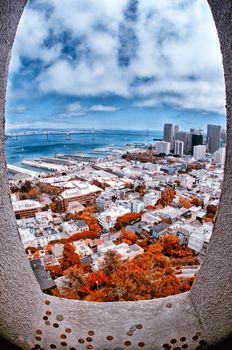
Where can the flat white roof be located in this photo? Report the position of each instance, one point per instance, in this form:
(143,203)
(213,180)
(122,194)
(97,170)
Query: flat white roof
(25,205)
(81,189)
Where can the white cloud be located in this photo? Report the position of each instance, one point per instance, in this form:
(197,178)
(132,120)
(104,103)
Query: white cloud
(76,109)
(29,43)
(102,108)
(19,109)
(177,47)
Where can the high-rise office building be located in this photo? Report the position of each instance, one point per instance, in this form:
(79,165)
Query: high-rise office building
(179,148)
(162,147)
(213,137)
(199,152)
(168,133)
(183,136)
(223,137)
(195,138)
(176,130)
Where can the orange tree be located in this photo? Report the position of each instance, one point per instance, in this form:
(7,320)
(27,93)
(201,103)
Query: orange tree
(91,220)
(96,279)
(172,248)
(75,276)
(126,219)
(167,197)
(211,211)
(128,236)
(69,257)
(147,276)
(55,270)
(185,202)
(110,263)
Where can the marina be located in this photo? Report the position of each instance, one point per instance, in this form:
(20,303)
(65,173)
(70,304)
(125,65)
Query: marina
(13,169)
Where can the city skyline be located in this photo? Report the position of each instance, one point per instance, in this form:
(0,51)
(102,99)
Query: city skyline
(127,65)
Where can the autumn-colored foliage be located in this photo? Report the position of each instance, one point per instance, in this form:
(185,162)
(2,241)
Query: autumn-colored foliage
(64,293)
(26,186)
(188,260)
(32,194)
(140,189)
(83,235)
(75,276)
(186,284)
(76,236)
(167,197)
(171,247)
(142,243)
(48,249)
(91,220)
(110,263)
(31,249)
(169,243)
(126,219)
(147,276)
(197,202)
(69,257)
(96,279)
(55,270)
(151,207)
(97,295)
(55,206)
(155,249)
(211,211)
(185,202)
(128,237)
(49,189)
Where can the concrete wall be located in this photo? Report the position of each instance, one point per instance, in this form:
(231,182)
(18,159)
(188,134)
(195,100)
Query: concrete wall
(192,320)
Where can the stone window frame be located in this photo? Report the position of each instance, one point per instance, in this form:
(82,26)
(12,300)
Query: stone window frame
(194,320)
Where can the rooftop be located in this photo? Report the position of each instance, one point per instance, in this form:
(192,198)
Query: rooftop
(25,205)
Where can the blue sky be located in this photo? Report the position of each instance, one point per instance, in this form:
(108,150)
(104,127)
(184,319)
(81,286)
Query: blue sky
(131,64)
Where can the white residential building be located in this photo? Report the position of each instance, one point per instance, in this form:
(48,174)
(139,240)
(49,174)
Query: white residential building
(163,147)
(137,206)
(151,218)
(126,251)
(219,156)
(151,198)
(186,180)
(108,218)
(179,148)
(199,152)
(82,249)
(199,238)
(27,236)
(74,226)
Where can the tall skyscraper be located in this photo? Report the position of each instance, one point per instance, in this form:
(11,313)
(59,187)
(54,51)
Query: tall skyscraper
(179,148)
(195,138)
(213,137)
(183,136)
(223,137)
(168,133)
(176,130)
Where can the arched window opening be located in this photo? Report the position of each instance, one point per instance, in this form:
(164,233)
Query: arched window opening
(41,329)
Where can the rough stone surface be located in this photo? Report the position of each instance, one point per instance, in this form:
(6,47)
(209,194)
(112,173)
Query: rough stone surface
(20,297)
(136,325)
(192,319)
(212,291)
